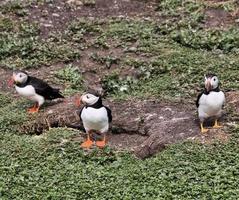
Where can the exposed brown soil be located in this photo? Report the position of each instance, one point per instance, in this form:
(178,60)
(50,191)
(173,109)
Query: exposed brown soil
(233,100)
(216,17)
(56,16)
(5,76)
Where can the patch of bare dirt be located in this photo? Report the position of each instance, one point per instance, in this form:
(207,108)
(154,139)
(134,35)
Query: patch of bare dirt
(211,136)
(56,16)
(233,100)
(217,17)
(5,76)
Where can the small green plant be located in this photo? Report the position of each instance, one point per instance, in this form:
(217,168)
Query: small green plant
(6,24)
(148,69)
(101,42)
(208,39)
(16,7)
(107,60)
(84,27)
(114,84)
(228,6)
(126,32)
(89,2)
(70,76)
(12,113)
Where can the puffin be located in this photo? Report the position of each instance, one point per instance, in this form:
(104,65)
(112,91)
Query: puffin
(34,89)
(95,118)
(210,102)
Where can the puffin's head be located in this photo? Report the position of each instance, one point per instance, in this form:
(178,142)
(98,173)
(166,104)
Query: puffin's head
(18,78)
(89,99)
(211,82)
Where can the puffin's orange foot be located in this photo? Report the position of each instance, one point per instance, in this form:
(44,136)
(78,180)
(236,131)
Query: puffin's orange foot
(216,125)
(87,144)
(33,110)
(204,130)
(100,144)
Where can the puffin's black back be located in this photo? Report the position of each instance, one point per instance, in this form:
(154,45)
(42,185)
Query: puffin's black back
(109,114)
(43,89)
(198,98)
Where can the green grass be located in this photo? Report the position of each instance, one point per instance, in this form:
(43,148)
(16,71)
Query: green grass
(169,58)
(53,166)
(16,7)
(11,114)
(71,78)
(209,40)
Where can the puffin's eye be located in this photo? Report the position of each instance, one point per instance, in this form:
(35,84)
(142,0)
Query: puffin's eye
(214,79)
(87,97)
(20,76)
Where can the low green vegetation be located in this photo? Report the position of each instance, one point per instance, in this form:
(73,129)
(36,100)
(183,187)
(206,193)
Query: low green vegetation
(53,166)
(114,84)
(71,78)
(105,60)
(208,40)
(16,7)
(11,113)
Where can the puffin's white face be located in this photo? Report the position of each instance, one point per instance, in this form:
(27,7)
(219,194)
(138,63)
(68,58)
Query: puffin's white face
(19,77)
(211,82)
(89,99)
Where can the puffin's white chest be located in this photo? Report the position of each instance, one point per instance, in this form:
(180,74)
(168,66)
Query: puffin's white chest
(27,91)
(95,119)
(30,93)
(211,104)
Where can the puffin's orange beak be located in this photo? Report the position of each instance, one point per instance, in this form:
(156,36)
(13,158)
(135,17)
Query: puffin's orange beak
(78,101)
(208,85)
(10,82)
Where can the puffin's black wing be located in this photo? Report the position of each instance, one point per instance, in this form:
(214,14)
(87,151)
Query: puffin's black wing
(43,89)
(109,114)
(198,98)
(80,113)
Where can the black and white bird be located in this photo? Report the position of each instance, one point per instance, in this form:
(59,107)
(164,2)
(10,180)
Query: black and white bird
(210,102)
(95,117)
(34,89)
